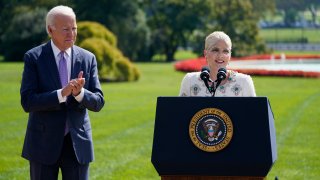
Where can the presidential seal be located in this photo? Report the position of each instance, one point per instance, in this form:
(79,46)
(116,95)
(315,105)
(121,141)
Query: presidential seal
(211,129)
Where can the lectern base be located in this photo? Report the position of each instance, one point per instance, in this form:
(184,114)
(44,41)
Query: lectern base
(211,178)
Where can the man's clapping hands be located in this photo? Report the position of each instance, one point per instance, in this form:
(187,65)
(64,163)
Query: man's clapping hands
(74,86)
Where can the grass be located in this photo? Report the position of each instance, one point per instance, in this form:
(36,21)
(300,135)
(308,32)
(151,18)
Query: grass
(181,54)
(295,35)
(288,52)
(279,16)
(185,54)
(269,35)
(123,130)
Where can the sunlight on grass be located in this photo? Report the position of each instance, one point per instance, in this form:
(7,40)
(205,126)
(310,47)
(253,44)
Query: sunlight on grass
(185,54)
(179,55)
(290,35)
(123,130)
(297,53)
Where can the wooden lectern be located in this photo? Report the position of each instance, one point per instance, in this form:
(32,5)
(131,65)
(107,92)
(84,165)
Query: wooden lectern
(249,155)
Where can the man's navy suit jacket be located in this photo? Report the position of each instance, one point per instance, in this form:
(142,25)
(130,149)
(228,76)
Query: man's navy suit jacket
(47,117)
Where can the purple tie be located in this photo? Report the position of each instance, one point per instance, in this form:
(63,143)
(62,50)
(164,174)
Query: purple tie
(63,73)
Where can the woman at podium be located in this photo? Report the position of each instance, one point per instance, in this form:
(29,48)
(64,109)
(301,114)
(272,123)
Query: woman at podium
(216,79)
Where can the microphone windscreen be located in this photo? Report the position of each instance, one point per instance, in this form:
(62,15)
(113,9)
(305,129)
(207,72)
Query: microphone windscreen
(222,70)
(205,68)
(222,74)
(205,73)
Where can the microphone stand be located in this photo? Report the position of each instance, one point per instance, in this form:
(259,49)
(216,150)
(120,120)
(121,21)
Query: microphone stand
(212,89)
(218,81)
(221,75)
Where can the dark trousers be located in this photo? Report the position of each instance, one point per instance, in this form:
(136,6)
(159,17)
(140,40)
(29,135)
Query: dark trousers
(70,167)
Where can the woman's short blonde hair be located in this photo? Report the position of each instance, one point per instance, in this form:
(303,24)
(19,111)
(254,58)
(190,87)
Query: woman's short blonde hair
(216,36)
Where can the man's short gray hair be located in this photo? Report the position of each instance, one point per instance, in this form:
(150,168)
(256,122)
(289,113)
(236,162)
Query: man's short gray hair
(56,11)
(214,37)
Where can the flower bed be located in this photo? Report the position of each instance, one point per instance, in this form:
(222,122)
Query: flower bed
(277,56)
(291,73)
(192,65)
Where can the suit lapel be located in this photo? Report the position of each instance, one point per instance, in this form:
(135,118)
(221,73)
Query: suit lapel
(51,65)
(75,63)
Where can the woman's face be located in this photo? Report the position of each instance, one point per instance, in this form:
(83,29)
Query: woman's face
(218,56)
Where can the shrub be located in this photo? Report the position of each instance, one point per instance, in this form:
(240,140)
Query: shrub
(126,71)
(88,29)
(98,48)
(112,65)
(136,72)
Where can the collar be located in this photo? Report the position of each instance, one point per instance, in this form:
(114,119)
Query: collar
(56,50)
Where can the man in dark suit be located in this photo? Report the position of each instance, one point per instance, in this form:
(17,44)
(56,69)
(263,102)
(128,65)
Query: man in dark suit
(59,85)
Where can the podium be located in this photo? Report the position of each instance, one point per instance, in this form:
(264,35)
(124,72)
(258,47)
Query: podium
(247,148)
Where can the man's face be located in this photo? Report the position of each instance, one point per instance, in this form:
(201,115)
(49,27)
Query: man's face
(64,31)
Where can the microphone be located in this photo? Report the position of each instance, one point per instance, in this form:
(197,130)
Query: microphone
(222,74)
(205,76)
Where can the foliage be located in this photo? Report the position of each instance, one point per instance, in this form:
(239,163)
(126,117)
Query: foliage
(6,14)
(105,54)
(13,8)
(241,26)
(125,19)
(135,37)
(125,70)
(239,20)
(123,130)
(145,28)
(172,22)
(291,9)
(26,30)
(112,64)
(88,29)
(261,7)
(141,38)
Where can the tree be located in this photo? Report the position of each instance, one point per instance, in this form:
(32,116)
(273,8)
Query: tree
(261,7)
(6,12)
(124,18)
(172,22)
(26,30)
(112,65)
(312,6)
(291,10)
(238,19)
(23,25)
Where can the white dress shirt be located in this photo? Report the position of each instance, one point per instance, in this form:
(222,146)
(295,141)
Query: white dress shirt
(237,85)
(67,56)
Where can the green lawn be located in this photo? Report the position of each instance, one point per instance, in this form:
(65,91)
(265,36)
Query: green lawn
(123,130)
(290,35)
(288,52)
(181,54)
